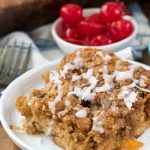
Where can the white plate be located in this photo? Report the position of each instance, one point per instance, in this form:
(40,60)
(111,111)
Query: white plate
(9,115)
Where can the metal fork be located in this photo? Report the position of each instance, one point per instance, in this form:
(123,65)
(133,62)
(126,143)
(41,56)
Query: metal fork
(13,62)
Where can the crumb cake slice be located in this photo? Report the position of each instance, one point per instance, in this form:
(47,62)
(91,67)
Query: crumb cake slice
(92,101)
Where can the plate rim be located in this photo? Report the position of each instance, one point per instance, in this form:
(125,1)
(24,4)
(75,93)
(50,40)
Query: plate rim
(20,143)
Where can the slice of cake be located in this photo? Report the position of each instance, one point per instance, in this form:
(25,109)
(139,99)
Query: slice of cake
(92,101)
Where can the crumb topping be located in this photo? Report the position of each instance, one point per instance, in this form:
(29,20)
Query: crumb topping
(92,101)
(89,92)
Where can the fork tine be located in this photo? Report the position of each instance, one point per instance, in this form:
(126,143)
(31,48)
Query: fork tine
(13,62)
(2,51)
(4,45)
(5,64)
(16,65)
(26,60)
(9,60)
(3,58)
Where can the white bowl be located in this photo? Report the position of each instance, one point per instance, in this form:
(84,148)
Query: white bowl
(9,115)
(69,47)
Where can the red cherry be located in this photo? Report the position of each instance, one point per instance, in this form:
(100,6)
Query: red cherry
(100,40)
(71,33)
(74,41)
(110,36)
(71,13)
(110,12)
(94,18)
(121,29)
(88,28)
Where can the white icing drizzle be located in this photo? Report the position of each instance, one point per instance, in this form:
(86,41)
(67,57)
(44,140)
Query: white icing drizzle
(54,76)
(144,77)
(75,77)
(67,67)
(99,53)
(70,93)
(50,128)
(81,113)
(128,95)
(106,58)
(124,92)
(123,75)
(56,79)
(86,92)
(142,89)
(130,99)
(142,80)
(67,103)
(78,61)
(114,108)
(98,124)
(108,81)
(142,83)
(89,93)
(89,76)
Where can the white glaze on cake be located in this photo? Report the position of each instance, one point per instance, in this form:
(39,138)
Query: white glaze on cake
(81,113)
(98,124)
(88,93)
(129,74)
(55,77)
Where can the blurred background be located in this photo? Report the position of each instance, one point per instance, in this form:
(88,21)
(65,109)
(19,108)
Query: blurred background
(29,14)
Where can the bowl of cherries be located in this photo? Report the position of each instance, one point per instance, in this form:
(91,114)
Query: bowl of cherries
(107,28)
